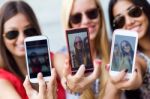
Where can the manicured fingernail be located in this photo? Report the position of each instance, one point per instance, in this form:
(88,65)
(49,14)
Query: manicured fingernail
(126,70)
(98,61)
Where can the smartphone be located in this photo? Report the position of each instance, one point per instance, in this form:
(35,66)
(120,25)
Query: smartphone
(123,52)
(37,57)
(79,49)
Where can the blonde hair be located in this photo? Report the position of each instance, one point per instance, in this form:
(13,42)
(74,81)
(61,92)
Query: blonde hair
(101,45)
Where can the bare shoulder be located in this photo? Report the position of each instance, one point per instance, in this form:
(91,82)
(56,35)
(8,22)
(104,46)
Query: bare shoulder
(7,90)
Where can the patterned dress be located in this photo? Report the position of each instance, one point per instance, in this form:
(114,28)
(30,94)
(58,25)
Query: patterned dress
(145,89)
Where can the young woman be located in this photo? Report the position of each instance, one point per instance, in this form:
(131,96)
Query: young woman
(18,21)
(87,13)
(134,15)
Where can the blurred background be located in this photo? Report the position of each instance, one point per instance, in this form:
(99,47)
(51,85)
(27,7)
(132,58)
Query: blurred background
(48,13)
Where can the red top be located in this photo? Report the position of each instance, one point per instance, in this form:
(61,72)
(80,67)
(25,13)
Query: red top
(15,81)
(18,84)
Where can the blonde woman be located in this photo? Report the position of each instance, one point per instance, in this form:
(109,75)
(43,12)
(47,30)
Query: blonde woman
(87,13)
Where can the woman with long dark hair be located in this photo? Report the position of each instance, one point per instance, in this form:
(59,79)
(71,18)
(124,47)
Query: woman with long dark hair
(134,15)
(18,21)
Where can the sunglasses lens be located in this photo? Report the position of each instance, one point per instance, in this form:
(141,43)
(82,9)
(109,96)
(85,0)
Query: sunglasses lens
(92,14)
(30,32)
(75,19)
(11,35)
(119,22)
(135,12)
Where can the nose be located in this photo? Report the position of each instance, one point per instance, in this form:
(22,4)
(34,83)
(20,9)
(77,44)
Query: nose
(85,20)
(129,21)
(21,37)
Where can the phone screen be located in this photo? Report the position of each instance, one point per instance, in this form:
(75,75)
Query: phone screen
(79,49)
(38,58)
(123,53)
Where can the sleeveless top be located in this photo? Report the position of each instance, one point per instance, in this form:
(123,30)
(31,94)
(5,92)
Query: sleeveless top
(15,81)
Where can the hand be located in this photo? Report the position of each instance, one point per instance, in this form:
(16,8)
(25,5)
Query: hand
(79,82)
(46,90)
(134,82)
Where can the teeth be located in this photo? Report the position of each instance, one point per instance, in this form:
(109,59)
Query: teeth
(135,28)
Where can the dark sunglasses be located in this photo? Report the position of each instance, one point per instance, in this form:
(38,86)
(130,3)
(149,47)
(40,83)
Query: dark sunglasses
(91,14)
(14,33)
(134,12)
(80,42)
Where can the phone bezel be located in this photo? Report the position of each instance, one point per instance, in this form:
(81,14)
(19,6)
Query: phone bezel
(122,32)
(74,31)
(34,38)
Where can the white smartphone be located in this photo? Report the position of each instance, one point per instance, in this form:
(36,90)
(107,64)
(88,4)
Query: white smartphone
(123,52)
(37,57)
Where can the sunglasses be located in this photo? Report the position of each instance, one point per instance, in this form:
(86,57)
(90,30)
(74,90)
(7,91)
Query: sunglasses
(13,34)
(134,12)
(91,14)
(80,42)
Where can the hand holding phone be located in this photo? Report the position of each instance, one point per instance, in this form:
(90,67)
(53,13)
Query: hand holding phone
(123,51)
(37,57)
(79,49)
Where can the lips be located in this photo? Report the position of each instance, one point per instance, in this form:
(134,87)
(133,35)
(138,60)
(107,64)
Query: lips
(91,29)
(136,28)
(20,47)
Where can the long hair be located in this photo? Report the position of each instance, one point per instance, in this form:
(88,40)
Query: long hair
(101,41)
(9,10)
(146,7)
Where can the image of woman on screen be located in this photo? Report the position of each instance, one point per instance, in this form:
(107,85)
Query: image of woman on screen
(87,51)
(127,56)
(116,57)
(35,63)
(79,56)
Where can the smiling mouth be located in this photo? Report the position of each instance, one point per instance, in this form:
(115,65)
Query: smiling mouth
(136,28)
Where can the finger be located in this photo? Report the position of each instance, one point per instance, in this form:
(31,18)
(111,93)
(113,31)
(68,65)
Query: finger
(96,73)
(133,83)
(119,77)
(107,67)
(52,80)
(42,85)
(78,76)
(66,70)
(28,86)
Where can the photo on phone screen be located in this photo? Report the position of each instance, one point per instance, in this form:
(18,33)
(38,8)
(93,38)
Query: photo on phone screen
(79,49)
(123,53)
(38,58)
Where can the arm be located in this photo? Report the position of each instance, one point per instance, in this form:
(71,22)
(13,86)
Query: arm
(7,90)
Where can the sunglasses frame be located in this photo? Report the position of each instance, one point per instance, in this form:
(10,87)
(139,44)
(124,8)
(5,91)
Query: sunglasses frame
(34,32)
(91,14)
(128,11)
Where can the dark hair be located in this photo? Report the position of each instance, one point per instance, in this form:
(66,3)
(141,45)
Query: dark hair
(9,10)
(122,49)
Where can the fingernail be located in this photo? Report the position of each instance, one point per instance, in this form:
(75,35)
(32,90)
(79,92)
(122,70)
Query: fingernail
(135,70)
(98,61)
(126,70)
